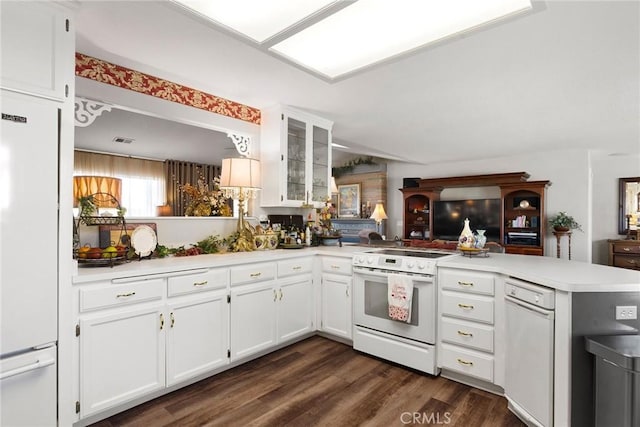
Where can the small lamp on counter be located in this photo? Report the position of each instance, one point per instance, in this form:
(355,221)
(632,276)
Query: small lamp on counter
(105,191)
(164,210)
(378,215)
(240,180)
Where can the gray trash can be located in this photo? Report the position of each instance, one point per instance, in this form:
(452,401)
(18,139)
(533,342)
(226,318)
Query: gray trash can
(617,379)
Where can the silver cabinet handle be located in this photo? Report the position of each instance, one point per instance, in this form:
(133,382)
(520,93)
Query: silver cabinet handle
(465,334)
(465,283)
(347,291)
(626,249)
(335,267)
(275,295)
(200,283)
(173,319)
(297,268)
(161,321)
(280,290)
(466,306)
(255,274)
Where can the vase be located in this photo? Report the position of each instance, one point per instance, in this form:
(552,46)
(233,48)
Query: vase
(481,239)
(466,238)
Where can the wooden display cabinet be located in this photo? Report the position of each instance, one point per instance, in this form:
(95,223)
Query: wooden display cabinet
(524,200)
(418,212)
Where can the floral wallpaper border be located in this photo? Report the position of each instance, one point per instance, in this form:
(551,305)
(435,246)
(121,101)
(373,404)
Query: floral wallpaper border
(126,78)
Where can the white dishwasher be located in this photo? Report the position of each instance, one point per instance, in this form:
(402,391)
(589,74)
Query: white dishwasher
(529,351)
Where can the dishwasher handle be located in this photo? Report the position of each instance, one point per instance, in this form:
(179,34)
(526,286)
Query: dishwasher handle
(31,367)
(548,313)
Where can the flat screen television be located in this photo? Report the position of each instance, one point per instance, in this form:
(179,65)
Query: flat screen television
(449,216)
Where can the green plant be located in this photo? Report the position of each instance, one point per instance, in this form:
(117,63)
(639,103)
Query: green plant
(350,165)
(563,220)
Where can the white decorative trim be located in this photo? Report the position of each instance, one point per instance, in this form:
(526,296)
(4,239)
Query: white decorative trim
(87,110)
(242,143)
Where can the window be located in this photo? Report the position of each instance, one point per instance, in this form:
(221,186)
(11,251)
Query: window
(143,181)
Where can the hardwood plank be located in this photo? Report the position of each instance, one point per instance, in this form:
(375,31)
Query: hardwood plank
(319,382)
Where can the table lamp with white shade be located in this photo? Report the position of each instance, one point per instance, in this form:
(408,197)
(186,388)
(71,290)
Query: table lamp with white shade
(378,215)
(240,180)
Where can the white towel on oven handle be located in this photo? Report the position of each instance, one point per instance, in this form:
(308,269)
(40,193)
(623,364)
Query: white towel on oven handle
(400,292)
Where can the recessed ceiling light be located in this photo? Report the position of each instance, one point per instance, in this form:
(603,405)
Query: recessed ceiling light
(336,38)
(257,19)
(123,140)
(369,31)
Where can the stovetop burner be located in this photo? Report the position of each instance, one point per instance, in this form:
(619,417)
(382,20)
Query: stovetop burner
(417,254)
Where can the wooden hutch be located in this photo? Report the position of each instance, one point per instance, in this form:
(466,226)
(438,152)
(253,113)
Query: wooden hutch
(519,199)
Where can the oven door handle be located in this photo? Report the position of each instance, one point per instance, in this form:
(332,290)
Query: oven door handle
(385,274)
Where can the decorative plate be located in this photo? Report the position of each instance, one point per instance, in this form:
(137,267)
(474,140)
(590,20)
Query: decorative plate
(524,204)
(143,240)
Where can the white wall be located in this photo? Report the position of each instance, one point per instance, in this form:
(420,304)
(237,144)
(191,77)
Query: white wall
(606,171)
(568,171)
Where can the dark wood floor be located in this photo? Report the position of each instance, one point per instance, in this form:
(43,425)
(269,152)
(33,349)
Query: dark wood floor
(319,382)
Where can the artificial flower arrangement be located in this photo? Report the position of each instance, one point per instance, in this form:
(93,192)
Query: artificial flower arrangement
(205,202)
(324,218)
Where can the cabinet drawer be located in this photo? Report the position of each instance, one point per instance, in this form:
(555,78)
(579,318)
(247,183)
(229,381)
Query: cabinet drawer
(337,265)
(253,273)
(121,294)
(198,282)
(465,306)
(627,261)
(468,281)
(467,361)
(626,248)
(291,267)
(473,335)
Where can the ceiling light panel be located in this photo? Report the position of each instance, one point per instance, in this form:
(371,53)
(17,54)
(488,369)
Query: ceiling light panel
(369,31)
(256,19)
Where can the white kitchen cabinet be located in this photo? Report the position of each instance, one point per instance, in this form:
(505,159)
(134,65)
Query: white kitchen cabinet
(139,335)
(268,311)
(253,318)
(294,308)
(335,290)
(122,357)
(297,145)
(467,335)
(198,324)
(37,48)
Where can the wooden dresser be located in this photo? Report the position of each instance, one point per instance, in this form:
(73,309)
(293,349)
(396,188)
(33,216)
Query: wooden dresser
(625,254)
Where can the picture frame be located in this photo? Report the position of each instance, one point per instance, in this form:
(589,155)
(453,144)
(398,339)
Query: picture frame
(349,201)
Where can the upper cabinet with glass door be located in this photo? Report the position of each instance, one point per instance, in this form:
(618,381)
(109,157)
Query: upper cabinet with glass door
(295,152)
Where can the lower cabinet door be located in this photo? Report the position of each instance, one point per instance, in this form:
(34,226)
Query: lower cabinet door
(295,311)
(197,336)
(121,357)
(253,318)
(336,305)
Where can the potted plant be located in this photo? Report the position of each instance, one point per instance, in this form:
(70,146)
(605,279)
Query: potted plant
(563,222)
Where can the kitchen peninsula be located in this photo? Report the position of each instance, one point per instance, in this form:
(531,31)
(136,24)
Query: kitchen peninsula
(129,316)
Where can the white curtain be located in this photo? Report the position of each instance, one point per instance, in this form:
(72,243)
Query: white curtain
(143,181)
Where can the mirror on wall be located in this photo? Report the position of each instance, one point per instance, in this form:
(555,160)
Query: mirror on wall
(133,134)
(629,205)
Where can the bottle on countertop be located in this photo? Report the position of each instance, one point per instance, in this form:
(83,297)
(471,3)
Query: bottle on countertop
(307,236)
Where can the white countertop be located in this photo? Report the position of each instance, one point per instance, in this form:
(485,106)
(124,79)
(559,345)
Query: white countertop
(173,264)
(563,275)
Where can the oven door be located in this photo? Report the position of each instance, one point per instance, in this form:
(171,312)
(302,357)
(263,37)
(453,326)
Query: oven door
(371,306)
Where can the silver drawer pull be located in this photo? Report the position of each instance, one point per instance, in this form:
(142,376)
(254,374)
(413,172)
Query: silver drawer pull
(466,306)
(465,334)
(161,321)
(465,283)
(335,267)
(130,294)
(632,261)
(255,274)
(464,362)
(275,295)
(200,283)
(626,249)
(173,319)
(296,268)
